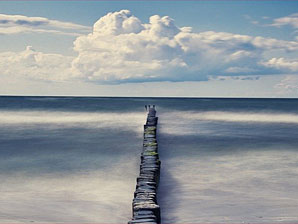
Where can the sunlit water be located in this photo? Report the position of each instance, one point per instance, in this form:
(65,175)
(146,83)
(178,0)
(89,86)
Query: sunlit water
(76,159)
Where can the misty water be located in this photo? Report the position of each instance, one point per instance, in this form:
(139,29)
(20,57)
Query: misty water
(71,159)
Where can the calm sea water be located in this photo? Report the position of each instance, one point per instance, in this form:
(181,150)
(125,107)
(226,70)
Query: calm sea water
(68,159)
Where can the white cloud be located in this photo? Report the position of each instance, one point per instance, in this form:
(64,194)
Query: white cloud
(35,65)
(13,24)
(118,23)
(282,64)
(291,20)
(123,49)
(20,29)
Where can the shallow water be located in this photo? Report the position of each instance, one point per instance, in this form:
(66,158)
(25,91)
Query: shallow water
(76,159)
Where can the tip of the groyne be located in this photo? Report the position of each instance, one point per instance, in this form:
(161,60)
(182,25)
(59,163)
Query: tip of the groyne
(144,206)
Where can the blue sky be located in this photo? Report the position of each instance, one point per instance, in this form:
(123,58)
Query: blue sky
(235,48)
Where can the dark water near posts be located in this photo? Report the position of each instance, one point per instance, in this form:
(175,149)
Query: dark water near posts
(71,159)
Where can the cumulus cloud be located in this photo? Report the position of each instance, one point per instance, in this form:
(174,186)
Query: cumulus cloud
(291,20)
(32,64)
(282,63)
(13,24)
(121,48)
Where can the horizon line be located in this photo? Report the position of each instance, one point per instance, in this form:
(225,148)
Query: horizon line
(149,1)
(190,97)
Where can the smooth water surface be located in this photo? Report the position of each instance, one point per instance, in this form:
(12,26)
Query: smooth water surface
(72,159)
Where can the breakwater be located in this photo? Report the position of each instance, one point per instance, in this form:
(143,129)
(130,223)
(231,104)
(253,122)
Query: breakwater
(144,206)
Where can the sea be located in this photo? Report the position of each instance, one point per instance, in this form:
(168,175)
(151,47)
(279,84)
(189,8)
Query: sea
(76,159)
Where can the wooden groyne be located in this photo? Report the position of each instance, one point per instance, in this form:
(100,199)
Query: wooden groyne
(144,206)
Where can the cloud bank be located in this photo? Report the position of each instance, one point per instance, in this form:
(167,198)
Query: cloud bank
(123,49)
(31,64)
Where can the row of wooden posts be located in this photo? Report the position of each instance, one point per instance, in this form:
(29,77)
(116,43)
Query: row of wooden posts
(145,209)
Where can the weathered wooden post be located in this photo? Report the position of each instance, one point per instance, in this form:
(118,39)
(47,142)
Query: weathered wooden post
(144,206)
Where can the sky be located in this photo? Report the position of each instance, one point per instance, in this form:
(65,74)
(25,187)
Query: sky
(149,48)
